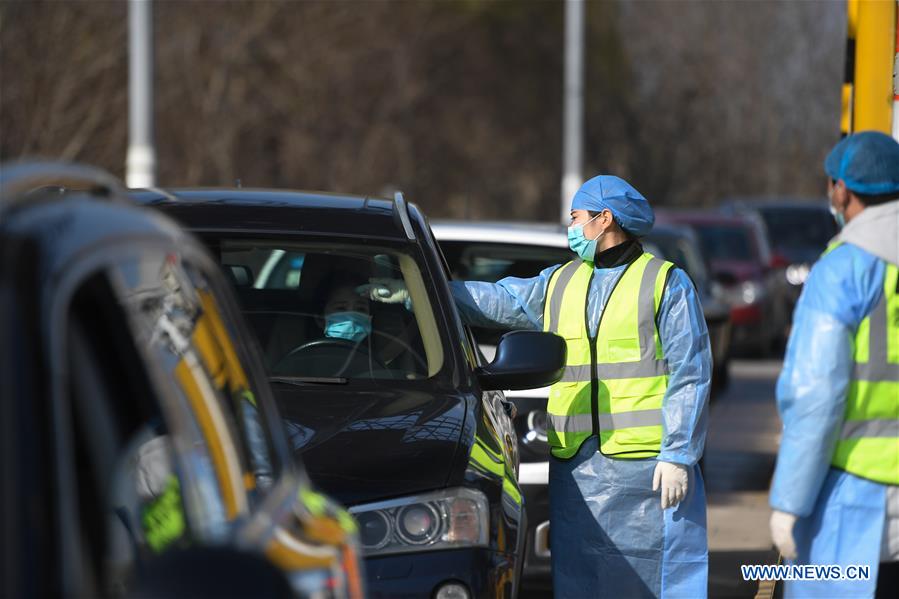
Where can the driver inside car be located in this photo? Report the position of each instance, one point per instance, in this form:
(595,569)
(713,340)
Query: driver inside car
(347,316)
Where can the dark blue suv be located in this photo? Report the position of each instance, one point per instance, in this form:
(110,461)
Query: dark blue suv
(390,405)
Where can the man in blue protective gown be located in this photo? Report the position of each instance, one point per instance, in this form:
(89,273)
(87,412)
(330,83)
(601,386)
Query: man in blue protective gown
(626,496)
(835,492)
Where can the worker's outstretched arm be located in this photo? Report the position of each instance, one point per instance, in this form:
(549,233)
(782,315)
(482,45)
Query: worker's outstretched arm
(511,303)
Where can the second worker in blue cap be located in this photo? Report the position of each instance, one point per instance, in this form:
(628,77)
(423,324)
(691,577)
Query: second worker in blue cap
(835,492)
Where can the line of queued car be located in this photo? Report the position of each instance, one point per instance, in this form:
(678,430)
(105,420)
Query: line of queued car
(205,398)
(201,386)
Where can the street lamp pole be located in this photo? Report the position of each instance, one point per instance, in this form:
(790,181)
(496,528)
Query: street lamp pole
(573,117)
(140,164)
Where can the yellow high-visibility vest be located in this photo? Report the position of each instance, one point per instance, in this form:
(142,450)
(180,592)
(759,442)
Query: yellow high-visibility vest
(613,384)
(869,437)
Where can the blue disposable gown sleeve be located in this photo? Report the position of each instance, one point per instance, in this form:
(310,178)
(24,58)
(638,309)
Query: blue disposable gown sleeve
(841,290)
(685,341)
(510,303)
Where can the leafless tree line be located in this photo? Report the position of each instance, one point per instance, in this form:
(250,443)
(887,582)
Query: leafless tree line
(456,103)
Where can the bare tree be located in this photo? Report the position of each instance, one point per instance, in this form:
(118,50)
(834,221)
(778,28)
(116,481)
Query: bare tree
(457,103)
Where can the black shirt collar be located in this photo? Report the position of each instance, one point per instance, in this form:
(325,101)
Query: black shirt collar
(623,253)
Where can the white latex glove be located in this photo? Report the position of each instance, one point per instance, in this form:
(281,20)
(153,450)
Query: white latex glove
(386,291)
(782,533)
(673,480)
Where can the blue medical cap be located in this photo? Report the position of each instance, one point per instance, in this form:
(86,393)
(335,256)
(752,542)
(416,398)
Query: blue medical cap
(868,162)
(627,205)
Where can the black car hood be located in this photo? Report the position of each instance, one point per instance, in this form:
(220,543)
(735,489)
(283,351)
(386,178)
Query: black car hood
(361,445)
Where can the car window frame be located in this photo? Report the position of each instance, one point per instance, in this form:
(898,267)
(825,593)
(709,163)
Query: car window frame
(74,273)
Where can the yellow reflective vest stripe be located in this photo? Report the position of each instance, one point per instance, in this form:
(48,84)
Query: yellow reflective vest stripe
(613,384)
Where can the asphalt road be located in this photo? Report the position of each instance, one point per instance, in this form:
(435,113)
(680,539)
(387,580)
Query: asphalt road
(744,430)
(740,453)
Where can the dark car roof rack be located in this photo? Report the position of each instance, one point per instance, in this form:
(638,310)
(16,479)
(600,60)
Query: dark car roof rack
(403,209)
(19,178)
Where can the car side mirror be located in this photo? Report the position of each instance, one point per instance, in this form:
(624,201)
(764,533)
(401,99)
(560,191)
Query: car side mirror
(524,360)
(208,572)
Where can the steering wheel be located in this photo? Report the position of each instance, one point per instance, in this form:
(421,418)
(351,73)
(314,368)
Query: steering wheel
(331,356)
(415,355)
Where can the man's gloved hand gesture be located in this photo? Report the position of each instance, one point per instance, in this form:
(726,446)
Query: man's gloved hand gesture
(386,291)
(782,533)
(673,480)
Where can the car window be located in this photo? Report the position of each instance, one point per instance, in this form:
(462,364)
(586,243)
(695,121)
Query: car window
(493,261)
(311,310)
(681,250)
(726,242)
(799,233)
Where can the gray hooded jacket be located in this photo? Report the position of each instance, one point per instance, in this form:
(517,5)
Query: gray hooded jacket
(875,230)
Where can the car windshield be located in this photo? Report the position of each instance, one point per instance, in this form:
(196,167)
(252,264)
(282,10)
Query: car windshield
(799,233)
(309,308)
(725,242)
(493,261)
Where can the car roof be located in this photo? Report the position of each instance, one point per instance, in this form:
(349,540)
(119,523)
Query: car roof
(699,217)
(666,228)
(518,233)
(264,211)
(77,223)
(761,203)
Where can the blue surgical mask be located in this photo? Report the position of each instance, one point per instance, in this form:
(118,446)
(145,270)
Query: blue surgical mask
(352,326)
(837,216)
(580,245)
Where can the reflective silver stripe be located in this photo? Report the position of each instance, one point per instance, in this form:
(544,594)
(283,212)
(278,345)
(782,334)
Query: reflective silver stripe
(877,333)
(615,371)
(876,373)
(855,429)
(577,423)
(877,369)
(646,309)
(631,370)
(555,301)
(621,420)
(576,374)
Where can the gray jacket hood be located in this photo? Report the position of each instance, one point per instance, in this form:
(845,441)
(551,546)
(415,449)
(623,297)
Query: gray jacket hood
(875,230)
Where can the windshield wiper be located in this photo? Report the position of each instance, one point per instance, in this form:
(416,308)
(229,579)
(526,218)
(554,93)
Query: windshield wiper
(302,381)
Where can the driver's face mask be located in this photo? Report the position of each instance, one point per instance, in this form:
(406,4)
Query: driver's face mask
(352,326)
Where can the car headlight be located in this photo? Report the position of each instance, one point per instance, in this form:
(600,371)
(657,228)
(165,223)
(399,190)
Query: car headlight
(745,293)
(537,424)
(797,273)
(442,520)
